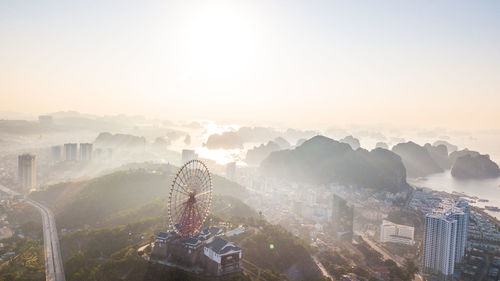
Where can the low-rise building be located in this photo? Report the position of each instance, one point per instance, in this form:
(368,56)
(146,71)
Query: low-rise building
(396,233)
(223,256)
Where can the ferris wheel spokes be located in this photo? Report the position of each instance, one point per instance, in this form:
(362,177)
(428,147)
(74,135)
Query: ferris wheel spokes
(190,198)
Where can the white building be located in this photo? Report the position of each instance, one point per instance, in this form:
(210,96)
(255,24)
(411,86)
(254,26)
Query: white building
(396,233)
(224,257)
(461,213)
(239,230)
(445,237)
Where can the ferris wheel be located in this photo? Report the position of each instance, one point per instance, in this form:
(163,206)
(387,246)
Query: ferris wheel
(190,198)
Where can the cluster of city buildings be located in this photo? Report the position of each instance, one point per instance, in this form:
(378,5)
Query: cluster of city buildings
(451,231)
(482,229)
(27,163)
(8,229)
(69,152)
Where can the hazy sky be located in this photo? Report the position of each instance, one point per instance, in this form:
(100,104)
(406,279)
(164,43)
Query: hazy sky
(303,63)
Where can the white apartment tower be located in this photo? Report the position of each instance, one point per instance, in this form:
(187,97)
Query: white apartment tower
(445,238)
(461,212)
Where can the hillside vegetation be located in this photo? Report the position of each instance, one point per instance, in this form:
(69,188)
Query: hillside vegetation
(111,216)
(98,202)
(27,264)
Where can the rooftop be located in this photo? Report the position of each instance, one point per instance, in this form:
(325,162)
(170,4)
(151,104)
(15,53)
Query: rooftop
(222,246)
(162,235)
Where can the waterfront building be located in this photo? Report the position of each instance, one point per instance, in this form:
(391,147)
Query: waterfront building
(445,237)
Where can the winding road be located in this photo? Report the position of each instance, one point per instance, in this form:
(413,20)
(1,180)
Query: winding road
(54,270)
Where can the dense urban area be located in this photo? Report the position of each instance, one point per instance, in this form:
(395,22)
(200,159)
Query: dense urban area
(91,210)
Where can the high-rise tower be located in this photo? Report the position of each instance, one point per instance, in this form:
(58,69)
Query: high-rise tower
(27,171)
(445,237)
(85,151)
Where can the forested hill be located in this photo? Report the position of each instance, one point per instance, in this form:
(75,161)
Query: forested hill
(95,201)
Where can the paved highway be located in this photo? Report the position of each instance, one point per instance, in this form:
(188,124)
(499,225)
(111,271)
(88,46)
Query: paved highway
(54,270)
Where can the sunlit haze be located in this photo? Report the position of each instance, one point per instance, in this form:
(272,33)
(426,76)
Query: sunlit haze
(254,140)
(324,63)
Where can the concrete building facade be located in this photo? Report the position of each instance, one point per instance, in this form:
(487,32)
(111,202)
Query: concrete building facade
(70,151)
(445,238)
(27,172)
(85,151)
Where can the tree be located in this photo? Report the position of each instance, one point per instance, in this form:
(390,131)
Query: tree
(411,269)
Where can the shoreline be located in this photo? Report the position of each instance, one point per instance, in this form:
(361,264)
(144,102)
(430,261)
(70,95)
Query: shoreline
(482,193)
(488,216)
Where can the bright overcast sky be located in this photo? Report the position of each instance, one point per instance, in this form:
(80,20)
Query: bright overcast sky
(301,63)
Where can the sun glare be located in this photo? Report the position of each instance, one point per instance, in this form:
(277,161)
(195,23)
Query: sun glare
(220,43)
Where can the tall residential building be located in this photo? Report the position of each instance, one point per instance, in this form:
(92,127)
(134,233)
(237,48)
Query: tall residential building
(445,238)
(55,154)
(70,151)
(188,155)
(461,213)
(85,151)
(396,233)
(27,171)
(342,218)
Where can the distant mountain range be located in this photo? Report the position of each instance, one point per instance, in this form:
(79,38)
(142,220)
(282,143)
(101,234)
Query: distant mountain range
(226,140)
(323,160)
(119,140)
(474,166)
(417,159)
(421,161)
(352,141)
(255,155)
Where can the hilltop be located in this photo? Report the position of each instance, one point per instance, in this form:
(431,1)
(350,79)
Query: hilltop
(323,160)
(111,216)
(475,166)
(418,159)
(96,201)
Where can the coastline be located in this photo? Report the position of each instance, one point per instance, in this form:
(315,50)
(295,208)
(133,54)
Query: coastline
(479,193)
